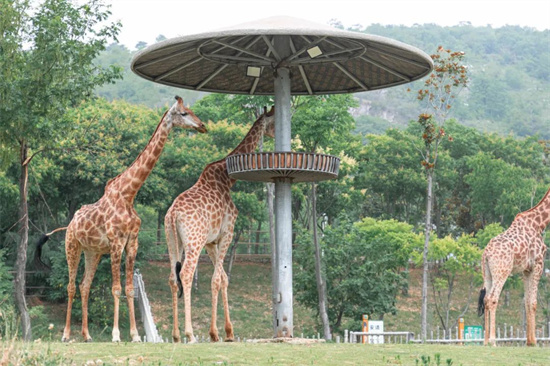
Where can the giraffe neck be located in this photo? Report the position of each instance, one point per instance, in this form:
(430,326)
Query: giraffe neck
(540,214)
(216,173)
(129,182)
(252,138)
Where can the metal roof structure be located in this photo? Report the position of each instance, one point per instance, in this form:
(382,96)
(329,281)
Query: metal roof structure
(241,59)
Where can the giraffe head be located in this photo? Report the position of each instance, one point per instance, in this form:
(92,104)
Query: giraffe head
(181,116)
(269,122)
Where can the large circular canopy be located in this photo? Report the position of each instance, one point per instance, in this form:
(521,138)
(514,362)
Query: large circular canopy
(242,59)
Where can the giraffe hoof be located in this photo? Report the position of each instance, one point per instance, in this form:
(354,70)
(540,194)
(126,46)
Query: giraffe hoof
(136,339)
(65,340)
(229,340)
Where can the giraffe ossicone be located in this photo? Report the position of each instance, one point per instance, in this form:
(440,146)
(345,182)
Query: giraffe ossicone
(111,226)
(204,217)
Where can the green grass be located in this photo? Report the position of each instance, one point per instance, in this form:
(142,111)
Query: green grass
(57,353)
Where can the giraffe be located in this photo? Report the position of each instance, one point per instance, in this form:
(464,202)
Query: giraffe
(519,249)
(111,226)
(204,216)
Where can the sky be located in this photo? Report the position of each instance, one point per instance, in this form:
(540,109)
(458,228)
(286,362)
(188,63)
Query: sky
(144,20)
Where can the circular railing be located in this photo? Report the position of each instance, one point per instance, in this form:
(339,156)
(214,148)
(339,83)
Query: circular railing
(270,166)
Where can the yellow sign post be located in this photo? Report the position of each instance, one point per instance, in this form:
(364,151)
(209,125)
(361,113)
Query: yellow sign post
(365,326)
(461,328)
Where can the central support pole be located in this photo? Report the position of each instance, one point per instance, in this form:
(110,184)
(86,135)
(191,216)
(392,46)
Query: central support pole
(283,322)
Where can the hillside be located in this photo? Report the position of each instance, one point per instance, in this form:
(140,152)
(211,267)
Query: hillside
(250,300)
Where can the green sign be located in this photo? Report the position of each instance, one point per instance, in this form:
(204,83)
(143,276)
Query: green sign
(473,332)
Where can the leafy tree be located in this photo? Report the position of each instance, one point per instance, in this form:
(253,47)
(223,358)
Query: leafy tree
(440,90)
(499,191)
(46,65)
(454,261)
(364,264)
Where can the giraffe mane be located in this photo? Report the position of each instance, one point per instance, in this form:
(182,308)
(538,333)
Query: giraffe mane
(112,180)
(537,205)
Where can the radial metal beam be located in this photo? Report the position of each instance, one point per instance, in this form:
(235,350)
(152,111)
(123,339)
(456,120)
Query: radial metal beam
(187,64)
(257,80)
(302,71)
(306,47)
(351,76)
(159,59)
(221,68)
(244,50)
(379,65)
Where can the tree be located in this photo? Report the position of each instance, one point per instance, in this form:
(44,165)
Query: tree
(46,65)
(323,123)
(440,89)
(364,264)
(455,261)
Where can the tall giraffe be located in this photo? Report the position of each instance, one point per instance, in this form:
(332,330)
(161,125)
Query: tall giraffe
(111,225)
(204,216)
(519,249)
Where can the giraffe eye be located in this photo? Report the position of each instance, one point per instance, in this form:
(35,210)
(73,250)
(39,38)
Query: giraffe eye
(184,114)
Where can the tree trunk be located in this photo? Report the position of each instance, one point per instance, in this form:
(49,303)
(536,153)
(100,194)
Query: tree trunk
(20,264)
(271,215)
(257,241)
(424,311)
(321,286)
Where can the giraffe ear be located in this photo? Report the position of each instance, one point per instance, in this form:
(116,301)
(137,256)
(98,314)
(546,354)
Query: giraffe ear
(271,112)
(178,98)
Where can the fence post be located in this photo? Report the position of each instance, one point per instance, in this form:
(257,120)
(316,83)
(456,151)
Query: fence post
(346,339)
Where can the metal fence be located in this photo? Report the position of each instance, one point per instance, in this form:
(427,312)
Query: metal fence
(506,336)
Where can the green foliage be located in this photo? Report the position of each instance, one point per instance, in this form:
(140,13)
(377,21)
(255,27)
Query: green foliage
(7,311)
(363,264)
(505,194)
(485,235)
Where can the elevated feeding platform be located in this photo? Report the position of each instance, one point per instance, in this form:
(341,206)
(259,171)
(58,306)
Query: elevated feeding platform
(270,166)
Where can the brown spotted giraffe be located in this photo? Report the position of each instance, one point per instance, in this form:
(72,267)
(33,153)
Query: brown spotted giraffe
(111,225)
(520,249)
(204,216)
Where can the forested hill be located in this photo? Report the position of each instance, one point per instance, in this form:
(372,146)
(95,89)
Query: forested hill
(509,69)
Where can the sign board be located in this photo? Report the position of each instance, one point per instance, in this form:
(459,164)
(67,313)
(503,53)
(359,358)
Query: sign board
(375,326)
(473,332)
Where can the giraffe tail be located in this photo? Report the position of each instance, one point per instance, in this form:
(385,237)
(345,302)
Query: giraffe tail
(180,285)
(481,302)
(43,239)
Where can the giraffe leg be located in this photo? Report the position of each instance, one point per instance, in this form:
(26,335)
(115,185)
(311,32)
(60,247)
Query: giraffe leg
(131,252)
(186,275)
(73,251)
(175,257)
(221,278)
(91,262)
(531,281)
(491,304)
(212,250)
(116,257)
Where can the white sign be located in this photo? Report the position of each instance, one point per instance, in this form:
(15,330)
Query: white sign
(376,326)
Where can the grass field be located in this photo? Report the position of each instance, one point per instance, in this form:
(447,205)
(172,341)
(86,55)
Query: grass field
(57,353)
(250,302)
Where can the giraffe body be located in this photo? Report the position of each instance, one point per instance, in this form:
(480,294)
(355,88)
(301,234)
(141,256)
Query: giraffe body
(204,217)
(111,226)
(519,249)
